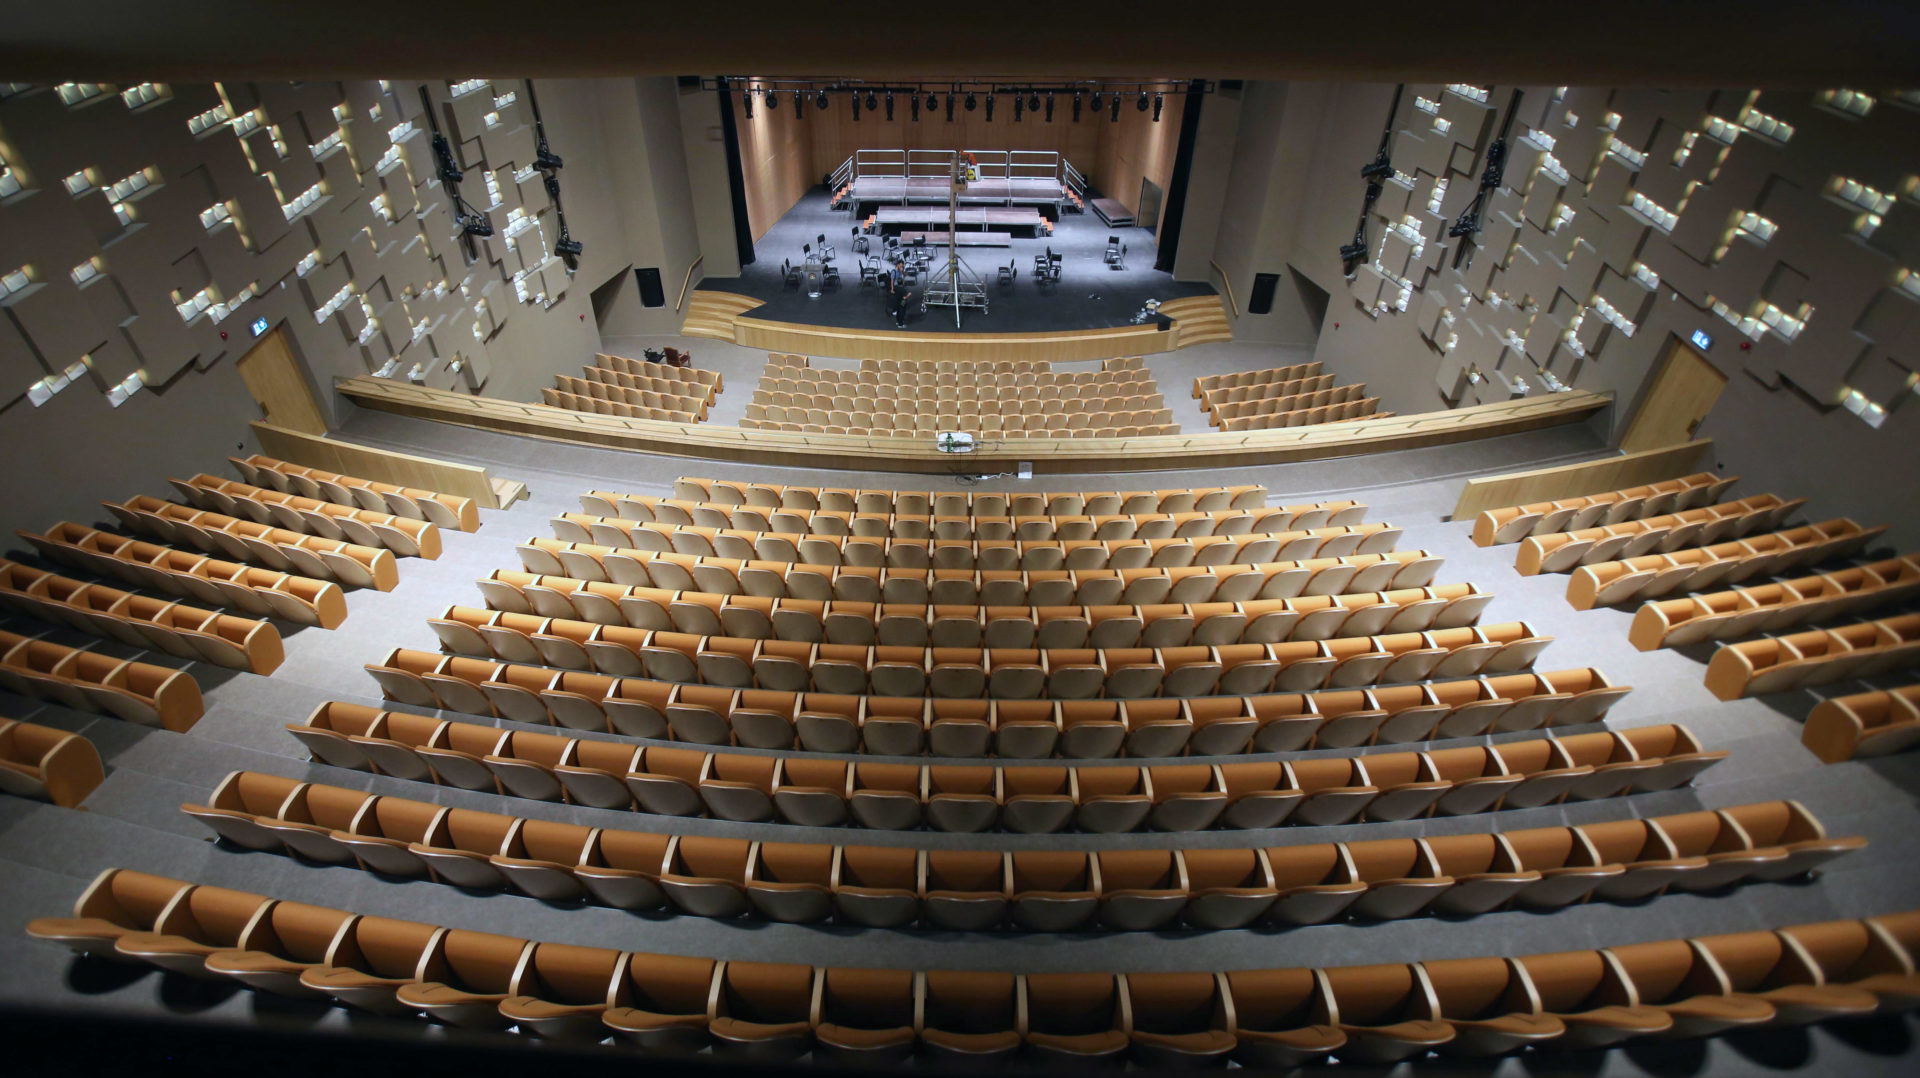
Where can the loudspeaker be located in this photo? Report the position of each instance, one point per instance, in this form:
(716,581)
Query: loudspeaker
(1165,323)
(651,294)
(1261,302)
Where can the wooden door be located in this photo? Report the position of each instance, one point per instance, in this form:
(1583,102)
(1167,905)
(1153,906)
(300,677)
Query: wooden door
(276,381)
(1683,392)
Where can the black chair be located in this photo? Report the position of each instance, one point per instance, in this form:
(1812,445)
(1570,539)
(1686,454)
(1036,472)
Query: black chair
(830,273)
(860,244)
(1009,271)
(1041,261)
(826,250)
(789,274)
(1115,250)
(869,271)
(806,253)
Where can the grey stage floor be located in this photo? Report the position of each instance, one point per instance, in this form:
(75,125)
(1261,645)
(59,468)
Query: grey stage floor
(48,854)
(1089,295)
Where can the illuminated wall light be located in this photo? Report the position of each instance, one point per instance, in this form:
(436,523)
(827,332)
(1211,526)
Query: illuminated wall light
(1908,281)
(332,306)
(1551,165)
(382,206)
(1786,325)
(505,99)
(493,188)
(1661,218)
(491,119)
(1856,402)
(1720,130)
(1762,124)
(1848,101)
(88,270)
(1562,214)
(144,94)
(248,122)
(1431,108)
(1744,323)
(1471,93)
(195,305)
(16,282)
(1628,154)
(1643,273)
(1573,119)
(465,87)
(126,388)
(306,265)
(126,188)
(1686,148)
(1611,121)
(1439,195)
(524,174)
(208,120)
(327,145)
(400,132)
(304,201)
(1442,126)
(79,93)
(387,160)
(1609,314)
(1859,194)
(1544,140)
(215,215)
(341,113)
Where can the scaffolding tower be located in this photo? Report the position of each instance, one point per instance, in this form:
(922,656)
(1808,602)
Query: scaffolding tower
(955,286)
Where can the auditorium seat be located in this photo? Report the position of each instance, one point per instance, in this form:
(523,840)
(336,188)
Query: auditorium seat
(89,681)
(51,765)
(141,621)
(1814,657)
(444,510)
(405,537)
(278,548)
(1511,525)
(1864,724)
(1770,607)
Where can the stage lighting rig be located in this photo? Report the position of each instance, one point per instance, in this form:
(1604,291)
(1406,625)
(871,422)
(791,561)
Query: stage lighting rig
(799,102)
(1076,106)
(1468,223)
(913,106)
(916,112)
(949,108)
(1017,103)
(1141,104)
(820,99)
(565,248)
(989,108)
(470,221)
(1159,100)
(1354,255)
(746,101)
(1049,106)
(856,107)
(872,101)
(1114,114)
(970,102)
(1033,101)
(773,101)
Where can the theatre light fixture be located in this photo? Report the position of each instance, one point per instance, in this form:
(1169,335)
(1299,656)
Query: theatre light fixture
(1115,109)
(1049,106)
(872,102)
(890,106)
(913,101)
(1096,101)
(1076,106)
(773,100)
(820,99)
(1017,103)
(1033,101)
(1142,103)
(949,108)
(1158,101)
(989,108)
(746,101)
(856,107)
(971,103)
(798,102)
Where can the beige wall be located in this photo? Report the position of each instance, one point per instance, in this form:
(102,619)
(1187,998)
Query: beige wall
(1136,148)
(411,292)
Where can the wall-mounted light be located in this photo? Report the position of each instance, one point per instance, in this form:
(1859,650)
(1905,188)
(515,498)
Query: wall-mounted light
(1017,103)
(773,100)
(949,108)
(1158,101)
(1114,114)
(872,102)
(855,99)
(1141,104)
(1096,101)
(913,103)
(1049,106)
(798,101)
(746,101)
(989,108)
(889,104)
(820,99)
(971,103)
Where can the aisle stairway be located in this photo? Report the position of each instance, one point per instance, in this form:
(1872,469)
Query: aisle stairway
(1198,319)
(711,314)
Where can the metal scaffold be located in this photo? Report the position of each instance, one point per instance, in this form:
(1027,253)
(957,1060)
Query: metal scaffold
(957,286)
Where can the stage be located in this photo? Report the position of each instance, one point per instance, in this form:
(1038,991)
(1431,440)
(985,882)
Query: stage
(1089,295)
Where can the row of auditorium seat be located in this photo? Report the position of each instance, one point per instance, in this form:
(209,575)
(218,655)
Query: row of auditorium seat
(1213,400)
(1289,402)
(1561,552)
(584,395)
(1864,724)
(775,379)
(276,548)
(1308,417)
(407,538)
(697,394)
(1276,1017)
(1814,657)
(842,621)
(48,764)
(812,791)
(259,592)
(1150,525)
(1456,875)
(446,510)
(984,554)
(89,681)
(1017,729)
(141,621)
(1775,606)
(1701,568)
(1021,673)
(1062,587)
(796,406)
(960,416)
(1510,525)
(946,503)
(690,375)
(554,398)
(1206,382)
(895,429)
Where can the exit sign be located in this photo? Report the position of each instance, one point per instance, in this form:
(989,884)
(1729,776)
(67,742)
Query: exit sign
(1701,340)
(260,326)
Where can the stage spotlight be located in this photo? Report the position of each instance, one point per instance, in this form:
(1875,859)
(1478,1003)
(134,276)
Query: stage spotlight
(949,108)
(970,102)
(568,248)
(872,102)
(913,101)
(1158,100)
(1351,256)
(1017,102)
(932,102)
(746,99)
(1033,101)
(856,107)
(1142,103)
(1049,107)
(1096,101)
(1076,107)
(798,101)
(820,99)
(890,105)
(1115,109)
(773,101)
(989,108)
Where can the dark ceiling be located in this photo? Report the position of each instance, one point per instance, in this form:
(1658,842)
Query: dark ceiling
(1871,44)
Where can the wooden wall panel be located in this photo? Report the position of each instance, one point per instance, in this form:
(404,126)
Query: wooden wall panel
(1572,480)
(1136,148)
(776,160)
(380,465)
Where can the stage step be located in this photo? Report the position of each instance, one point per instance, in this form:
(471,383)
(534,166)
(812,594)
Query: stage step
(1199,319)
(711,313)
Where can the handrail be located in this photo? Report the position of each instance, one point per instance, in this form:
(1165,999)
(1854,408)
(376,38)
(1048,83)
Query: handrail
(1227,282)
(684,285)
(1144,453)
